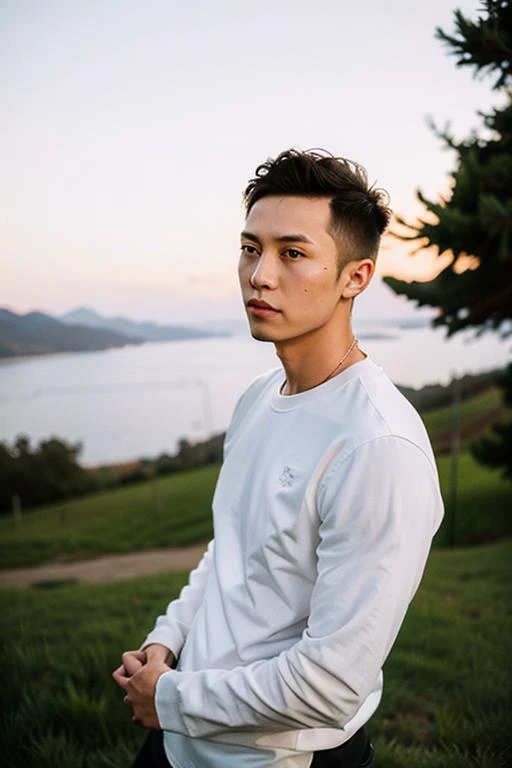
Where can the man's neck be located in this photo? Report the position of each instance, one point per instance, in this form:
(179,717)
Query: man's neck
(312,360)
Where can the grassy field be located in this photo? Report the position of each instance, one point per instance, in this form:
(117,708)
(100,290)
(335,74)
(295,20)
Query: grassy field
(447,692)
(131,518)
(171,511)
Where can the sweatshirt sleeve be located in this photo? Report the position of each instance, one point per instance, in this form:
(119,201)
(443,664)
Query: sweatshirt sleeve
(378,510)
(172,627)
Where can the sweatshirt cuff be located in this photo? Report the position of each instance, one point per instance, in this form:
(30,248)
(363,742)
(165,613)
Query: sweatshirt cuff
(166,703)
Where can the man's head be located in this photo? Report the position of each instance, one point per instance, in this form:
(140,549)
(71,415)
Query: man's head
(359,214)
(309,245)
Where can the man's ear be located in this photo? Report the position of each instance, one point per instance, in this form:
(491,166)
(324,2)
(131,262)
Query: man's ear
(355,277)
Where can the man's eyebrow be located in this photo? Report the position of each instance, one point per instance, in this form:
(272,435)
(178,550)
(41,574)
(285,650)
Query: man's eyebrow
(298,238)
(249,236)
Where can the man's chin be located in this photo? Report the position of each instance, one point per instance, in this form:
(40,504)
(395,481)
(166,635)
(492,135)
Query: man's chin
(263,331)
(260,335)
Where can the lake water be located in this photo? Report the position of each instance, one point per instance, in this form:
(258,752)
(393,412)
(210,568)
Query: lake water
(139,401)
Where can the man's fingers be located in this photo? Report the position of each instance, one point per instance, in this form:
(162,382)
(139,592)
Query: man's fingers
(139,690)
(119,671)
(120,677)
(139,656)
(133,661)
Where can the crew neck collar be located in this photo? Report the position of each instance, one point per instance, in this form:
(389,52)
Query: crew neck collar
(289,402)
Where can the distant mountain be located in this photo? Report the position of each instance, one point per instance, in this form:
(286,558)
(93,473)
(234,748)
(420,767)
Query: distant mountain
(143,331)
(36,334)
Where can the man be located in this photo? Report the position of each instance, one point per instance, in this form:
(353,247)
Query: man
(324,510)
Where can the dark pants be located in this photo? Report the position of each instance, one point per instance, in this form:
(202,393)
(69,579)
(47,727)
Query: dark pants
(357,752)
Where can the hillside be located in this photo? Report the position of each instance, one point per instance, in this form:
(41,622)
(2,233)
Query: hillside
(432,396)
(36,333)
(175,510)
(476,415)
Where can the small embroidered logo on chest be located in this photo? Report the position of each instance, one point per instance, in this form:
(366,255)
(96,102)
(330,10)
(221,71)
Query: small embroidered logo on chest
(287,477)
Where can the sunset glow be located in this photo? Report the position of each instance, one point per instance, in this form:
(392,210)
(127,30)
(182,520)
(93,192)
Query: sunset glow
(127,139)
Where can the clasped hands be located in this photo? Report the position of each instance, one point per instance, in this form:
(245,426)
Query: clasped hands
(137,676)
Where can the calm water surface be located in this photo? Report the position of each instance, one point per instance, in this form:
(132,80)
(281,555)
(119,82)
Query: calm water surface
(139,401)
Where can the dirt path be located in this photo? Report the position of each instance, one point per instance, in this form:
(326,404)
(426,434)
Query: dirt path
(107,568)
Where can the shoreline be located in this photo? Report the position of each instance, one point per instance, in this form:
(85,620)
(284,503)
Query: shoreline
(9,360)
(38,355)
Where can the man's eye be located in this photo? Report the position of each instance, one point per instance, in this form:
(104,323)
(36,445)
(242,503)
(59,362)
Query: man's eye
(293,254)
(250,250)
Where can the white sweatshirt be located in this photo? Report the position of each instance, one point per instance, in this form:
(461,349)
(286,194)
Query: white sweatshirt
(324,512)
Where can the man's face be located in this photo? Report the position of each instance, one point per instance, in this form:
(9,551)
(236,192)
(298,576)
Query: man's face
(288,268)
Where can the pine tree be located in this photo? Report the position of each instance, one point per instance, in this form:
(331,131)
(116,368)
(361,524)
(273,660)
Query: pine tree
(477,219)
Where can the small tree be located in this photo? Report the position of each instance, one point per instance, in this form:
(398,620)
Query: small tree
(48,472)
(496,450)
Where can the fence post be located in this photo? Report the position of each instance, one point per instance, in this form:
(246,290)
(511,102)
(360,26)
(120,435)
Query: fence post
(454,467)
(157,499)
(16,509)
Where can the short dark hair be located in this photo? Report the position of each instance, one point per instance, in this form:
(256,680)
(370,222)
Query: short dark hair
(359,213)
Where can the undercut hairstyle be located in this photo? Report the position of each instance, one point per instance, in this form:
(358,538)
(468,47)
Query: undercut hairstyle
(359,212)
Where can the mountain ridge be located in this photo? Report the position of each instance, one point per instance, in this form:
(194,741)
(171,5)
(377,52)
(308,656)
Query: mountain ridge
(36,333)
(145,330)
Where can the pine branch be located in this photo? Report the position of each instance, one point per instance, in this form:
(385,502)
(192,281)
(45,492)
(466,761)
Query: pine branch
(485,44)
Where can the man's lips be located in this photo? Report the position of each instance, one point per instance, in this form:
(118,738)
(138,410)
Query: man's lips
(261,308)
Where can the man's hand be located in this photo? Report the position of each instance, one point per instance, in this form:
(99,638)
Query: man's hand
(140,691)
(137,676)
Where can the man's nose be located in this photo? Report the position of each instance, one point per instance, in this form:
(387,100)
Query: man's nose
(264,274)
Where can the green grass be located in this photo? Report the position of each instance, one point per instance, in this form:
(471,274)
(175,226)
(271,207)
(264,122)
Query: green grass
(448,694)
(446,699)
(484,502)
(60,705)
(121,520)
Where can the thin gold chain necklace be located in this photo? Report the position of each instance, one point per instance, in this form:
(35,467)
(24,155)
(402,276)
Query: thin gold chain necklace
(347,353)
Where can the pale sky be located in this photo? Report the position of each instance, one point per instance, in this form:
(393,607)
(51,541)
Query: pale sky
(128,129)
